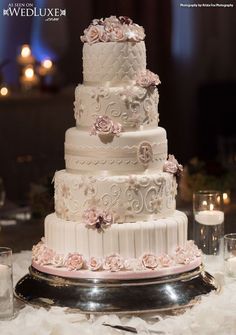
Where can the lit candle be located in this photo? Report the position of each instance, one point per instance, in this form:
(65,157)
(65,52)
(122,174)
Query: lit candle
(210,217)
(46,67)
(25,56)
(4,91)
(29,78)
(226,198)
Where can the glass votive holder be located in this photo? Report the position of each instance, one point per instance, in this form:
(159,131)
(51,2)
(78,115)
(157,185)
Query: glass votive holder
(230,254)
(208,229)
(6,284)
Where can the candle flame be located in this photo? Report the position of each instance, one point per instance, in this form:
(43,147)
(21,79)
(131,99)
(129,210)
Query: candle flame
(47,64)
(29,72)
(25,51)
(226,198)
(4,91)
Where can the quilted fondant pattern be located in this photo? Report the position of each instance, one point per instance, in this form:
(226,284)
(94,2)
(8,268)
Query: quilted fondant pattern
(113,61)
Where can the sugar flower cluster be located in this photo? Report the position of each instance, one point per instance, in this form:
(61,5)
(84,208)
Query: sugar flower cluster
(147,79)
(113,29)
(43,255)
(97,219)
(172,166)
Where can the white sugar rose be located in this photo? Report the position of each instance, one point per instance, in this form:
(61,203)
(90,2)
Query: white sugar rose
(58,260)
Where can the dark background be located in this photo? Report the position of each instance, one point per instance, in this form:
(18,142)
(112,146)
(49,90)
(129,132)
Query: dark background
(192,49)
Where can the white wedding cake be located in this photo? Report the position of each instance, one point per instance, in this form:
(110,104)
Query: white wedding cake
(115,211)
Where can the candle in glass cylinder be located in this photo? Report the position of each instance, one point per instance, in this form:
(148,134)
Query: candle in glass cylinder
(210,217)
(4,91)
(25,57)
(29,78)
(208,227)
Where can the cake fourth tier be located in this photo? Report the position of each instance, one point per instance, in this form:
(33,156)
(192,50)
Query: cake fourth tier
(125,198)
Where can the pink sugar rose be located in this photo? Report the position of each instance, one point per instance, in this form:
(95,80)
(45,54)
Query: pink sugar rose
(172,166)
(182,257)
(36,250)
(74,261)
(113,20)
(117,34)
(147,79)
(45,256)
(150,261)
(107,218)
(116,128)
(113,263)
(103,125)
(94,264)
(90,216)
(165,260)
(93,34)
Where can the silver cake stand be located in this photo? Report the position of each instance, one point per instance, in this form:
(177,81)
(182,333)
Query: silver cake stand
(116,296)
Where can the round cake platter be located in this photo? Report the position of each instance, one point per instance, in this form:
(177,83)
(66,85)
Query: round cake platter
(99,296)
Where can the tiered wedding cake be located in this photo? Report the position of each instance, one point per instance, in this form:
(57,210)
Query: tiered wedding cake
(115,214)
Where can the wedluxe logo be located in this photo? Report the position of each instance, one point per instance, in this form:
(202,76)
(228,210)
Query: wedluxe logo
(29,10)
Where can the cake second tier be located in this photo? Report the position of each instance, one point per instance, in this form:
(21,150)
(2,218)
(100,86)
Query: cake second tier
(125,198)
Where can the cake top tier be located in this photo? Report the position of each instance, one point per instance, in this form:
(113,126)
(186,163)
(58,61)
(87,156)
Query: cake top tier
(113,29)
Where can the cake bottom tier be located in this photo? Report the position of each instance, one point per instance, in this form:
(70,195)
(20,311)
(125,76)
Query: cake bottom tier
(122,251)
(129,240)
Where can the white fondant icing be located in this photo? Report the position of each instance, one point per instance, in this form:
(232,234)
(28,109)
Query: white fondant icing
(113,61)
(87,153)
(127,198)
(132,106)
(127,239)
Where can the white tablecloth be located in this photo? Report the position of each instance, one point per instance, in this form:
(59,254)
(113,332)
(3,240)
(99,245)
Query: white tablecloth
(216,314)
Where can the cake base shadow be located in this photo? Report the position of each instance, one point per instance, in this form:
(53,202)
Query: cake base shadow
(116,296)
